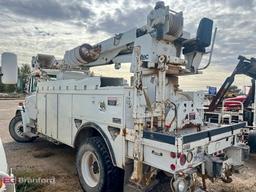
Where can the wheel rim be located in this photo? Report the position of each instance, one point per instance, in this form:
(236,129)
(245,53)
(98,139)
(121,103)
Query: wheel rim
(19,129)
(90,169)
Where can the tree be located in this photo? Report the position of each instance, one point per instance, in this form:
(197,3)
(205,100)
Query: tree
(24,71)
(10,88)
(233,91)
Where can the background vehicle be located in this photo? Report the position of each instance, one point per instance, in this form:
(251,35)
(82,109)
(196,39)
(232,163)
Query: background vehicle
(9,68)
(131,134)
(234,104)
(240,108)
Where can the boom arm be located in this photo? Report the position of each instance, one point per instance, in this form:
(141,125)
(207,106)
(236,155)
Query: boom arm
(162,35)
(250,97)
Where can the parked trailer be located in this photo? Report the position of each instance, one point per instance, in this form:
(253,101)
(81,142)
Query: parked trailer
(128,134)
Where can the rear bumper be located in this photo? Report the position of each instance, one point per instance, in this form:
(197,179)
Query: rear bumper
(159,147)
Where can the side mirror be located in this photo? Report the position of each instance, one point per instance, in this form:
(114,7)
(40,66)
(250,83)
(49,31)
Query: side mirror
(9,68)
(204,32)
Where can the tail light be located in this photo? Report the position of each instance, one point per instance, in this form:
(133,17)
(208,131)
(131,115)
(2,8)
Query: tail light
(190,157)
(173,167)
(173,155)
(183,159)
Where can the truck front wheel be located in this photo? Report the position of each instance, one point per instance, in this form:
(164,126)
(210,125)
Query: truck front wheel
(16,130)
(95,168)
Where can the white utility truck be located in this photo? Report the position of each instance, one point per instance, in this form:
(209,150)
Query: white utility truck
(132,133)
(8,69)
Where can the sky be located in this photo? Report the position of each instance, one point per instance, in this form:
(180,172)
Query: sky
(29,27)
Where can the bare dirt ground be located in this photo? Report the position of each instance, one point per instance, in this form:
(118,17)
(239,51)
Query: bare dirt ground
(58,161)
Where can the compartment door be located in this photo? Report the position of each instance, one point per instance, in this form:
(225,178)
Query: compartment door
(51,115)
(41,113)
(64,118)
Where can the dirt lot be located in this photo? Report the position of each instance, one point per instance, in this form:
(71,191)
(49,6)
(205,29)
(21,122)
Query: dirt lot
(46,160)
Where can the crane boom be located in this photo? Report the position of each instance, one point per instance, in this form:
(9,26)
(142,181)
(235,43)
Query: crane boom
(164,28)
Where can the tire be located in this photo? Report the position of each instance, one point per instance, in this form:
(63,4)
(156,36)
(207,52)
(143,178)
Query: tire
(252,141)
(98,174)
(16,130)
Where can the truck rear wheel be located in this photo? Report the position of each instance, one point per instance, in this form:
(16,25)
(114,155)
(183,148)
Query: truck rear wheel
(95,168)
(252,141)
(16,130)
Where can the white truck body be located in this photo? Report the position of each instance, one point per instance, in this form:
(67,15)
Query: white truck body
(66,105)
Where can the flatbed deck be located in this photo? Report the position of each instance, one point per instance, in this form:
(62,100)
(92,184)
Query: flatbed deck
(209,132)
